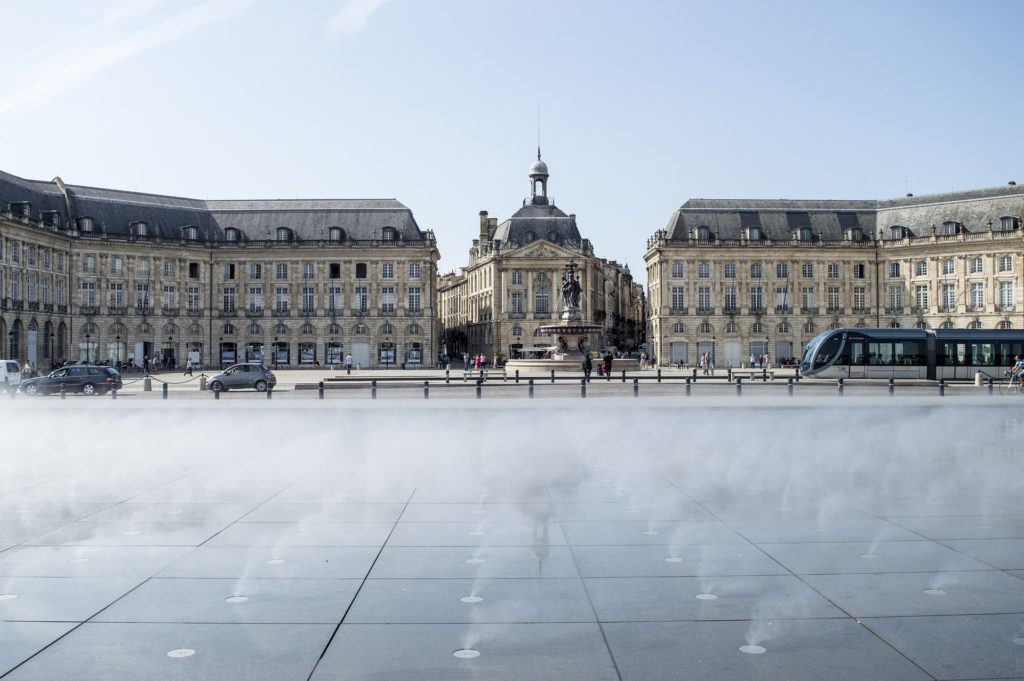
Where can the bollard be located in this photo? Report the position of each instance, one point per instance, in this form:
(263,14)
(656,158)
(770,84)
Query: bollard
(320,390)
(63,392)
(659,375)
(583,387)
(270,393)
(531,388)
(892,386)
(426,390)
(840,385)
(517,376)
(348,369)
(739,386)
(789,386)
(623,375)
(977,379)
(447,376)
(990,386)
(636,387)
(764,375)
(113,393)
(695,372)
(481,377)
(216,392)
(479,391)
(373,390)
(942,387)
(552,375)
(202,382)
(164,391)
(147,384)
(728,376)
(687,386)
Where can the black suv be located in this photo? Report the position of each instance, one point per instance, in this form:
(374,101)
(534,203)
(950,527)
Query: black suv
(88,380)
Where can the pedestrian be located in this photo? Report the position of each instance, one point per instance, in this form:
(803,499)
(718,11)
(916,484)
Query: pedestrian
(188,367)
(767,361)
(348,363)
(751,360)
(608,359)
(587,366)
(145,365)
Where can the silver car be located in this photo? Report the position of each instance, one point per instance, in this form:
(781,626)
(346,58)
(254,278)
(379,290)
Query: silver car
(246,375)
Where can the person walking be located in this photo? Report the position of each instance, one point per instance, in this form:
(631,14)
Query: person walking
(587,365)
(348,363)
(188,367)
(608,359)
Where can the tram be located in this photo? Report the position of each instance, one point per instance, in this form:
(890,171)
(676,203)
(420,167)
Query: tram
(911,353)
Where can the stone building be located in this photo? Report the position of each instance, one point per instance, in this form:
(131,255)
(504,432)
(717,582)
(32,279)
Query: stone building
(747,276)
(496,304)
(109,275)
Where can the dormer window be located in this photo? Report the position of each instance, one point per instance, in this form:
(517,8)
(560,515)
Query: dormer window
(389,234)
(231,234)
(284,234)
(897,232)
(754,233)
(140,229)
(337,234)
(191,233)
(854,234)
(703,233)
(553,236)
(51,218)
(85,224)
(22,208)
(1008,224)
(804,234)
(950,228)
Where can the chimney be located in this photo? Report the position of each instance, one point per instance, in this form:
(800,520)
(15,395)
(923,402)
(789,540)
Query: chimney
(1012,183)
(492,227)
(483,225)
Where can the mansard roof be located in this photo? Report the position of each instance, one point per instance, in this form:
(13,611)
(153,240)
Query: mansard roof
(829,219)
(538,222)
(114,211)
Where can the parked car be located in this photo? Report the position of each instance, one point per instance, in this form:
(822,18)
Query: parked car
(10,373)
(88,380)
(245,375)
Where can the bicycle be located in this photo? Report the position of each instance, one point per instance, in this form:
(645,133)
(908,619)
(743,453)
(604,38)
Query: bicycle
(1012,384)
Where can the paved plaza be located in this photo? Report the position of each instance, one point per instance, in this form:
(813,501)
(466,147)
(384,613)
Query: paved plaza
(775,537)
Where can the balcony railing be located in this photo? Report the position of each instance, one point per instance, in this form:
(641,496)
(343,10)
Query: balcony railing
(227,314)
(861,309)
(33,307)
(117,310)
(782,309)
(678,310)
(894,310)
(705,310)
(517,315)
(169,311)
(388,312)
(414,312)
(808,310)
(835,310)
(542,315)
(254,313)
(144,310)
(1005,308)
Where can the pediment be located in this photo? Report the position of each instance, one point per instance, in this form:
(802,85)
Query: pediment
(542,249)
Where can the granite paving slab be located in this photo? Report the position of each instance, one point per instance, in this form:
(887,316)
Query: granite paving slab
(423,652)
(23,639)
(1005,554)
(482,533)
(12,533)
(278,512)
(27,511)
(251,600)
(682,509)
(59,599)
(87,561)
(406,562)
(411,601)
(274,562)
(674,561)
(632,532)
(964,527)
(303,534)
(958,646)
(185,512)
(474,512)
(886,556)
(795,530)
(129,533)
(199,652)
(656,599)
(922,593)
(795,650)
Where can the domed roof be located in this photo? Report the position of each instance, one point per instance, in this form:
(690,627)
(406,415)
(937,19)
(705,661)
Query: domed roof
(539,167)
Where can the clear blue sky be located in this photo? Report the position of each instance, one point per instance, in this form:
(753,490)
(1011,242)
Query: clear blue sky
(434,102)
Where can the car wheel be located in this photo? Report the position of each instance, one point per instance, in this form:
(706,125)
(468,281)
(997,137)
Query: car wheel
(217,387)
(31,389)
(261,386)
(89,389)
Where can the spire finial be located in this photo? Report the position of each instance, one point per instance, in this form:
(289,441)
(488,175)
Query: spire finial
(538,152)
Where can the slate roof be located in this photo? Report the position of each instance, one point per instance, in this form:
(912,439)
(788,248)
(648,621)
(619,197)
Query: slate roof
(729,218)
(543,221)
(114,211)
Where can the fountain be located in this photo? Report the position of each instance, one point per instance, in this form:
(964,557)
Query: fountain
(571,336)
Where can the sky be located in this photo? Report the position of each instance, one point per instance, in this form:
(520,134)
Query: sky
(638,106)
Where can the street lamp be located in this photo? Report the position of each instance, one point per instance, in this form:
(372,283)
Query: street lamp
(713,351)
(117,350)
(53,360)
(387,352)
(88,349)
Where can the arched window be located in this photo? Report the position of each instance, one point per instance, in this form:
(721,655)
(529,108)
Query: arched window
(336,234)
(360,329)
(195,329)
(782,328)
(974,325)
(413,330)
(950,228)
(731,327)
(386,329)
(537,333)
(389,234)
(307,329)
(255,329)
(141,229)
(280,328)
(921,325)
(334,329)
(284,234)
(861,325)
(678,328)
(894,324)
(1005,324)
(757,328)
(517,331)
(835,325)
(809,327)
(946,325)
(704,328)
(228,329)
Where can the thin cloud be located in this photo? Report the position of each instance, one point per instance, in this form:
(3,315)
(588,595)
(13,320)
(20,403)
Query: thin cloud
(68,67)
(353,16)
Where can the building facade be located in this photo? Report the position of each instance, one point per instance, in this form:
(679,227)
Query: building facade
(509,288)
(742,277)
(110,276)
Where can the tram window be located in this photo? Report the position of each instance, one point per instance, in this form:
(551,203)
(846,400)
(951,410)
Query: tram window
(982,354)
(951,354)
(909,353)
(827,350)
